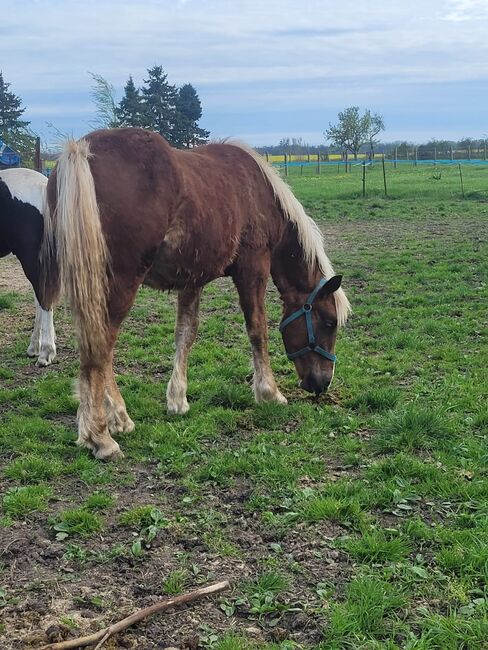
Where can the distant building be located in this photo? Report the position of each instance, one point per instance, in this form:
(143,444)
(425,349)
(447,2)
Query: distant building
(8,157)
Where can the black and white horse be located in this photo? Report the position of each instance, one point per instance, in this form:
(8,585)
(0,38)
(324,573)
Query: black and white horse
(22,203)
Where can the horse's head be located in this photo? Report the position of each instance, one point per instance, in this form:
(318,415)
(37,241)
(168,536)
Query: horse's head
(309,330)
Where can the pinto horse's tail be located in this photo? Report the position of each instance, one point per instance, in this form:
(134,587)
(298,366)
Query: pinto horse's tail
(75,246)
(309,234)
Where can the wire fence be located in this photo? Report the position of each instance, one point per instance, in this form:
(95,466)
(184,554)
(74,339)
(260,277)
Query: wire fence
(437,179)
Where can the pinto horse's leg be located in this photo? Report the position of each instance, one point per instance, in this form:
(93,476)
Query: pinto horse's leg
(251,280)
(33,349)
(118,419)
(185,334)
(47,352)
(43,339)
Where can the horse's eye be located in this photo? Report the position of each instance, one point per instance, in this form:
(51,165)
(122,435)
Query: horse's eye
(329,323)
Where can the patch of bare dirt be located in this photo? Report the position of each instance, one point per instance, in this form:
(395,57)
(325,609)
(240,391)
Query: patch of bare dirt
(51,593)
(12,276)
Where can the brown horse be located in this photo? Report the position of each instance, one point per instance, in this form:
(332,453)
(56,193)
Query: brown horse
(128,209)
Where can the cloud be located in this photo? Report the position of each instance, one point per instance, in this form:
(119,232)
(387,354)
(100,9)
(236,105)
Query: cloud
(279,61)
(464,10)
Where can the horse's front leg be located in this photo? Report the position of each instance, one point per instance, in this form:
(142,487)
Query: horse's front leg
(251,284)
(185,334)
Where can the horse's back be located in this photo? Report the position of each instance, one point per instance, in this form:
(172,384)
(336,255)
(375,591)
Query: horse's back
(224,205)
(136,188)
(26,185)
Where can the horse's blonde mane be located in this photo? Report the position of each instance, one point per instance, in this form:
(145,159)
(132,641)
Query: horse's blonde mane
(309,234)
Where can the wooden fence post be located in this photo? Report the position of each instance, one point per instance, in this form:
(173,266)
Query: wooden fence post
(37,156)
(318,162)
(395,161)
(384,173)
(286,165)
(364,180)
(461,177)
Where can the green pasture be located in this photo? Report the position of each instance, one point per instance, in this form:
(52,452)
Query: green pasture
(356,521)
(406,181)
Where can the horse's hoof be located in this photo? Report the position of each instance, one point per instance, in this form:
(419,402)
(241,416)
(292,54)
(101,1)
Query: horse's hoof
(178,409)
(42,363)
(46,358)
(109,451)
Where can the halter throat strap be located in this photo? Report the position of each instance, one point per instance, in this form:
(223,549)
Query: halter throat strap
(306,311)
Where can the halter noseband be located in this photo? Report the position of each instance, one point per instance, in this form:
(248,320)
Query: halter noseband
(307,311)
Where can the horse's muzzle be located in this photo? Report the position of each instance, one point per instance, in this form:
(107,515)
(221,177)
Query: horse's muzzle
(315,383)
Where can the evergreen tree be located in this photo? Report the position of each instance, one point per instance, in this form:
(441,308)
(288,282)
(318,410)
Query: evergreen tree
(188,112)
(160,103)
(131,110)
(13,130)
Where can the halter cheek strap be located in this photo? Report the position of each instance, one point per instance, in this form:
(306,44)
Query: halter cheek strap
(306,311)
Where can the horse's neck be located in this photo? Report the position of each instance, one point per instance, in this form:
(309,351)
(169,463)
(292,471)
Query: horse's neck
(289,270)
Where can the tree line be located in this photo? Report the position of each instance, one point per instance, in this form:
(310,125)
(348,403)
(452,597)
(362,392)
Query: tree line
(175,112)
(156,105)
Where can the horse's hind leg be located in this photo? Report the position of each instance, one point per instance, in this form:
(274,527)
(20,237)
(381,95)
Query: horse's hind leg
(33,349)
(118,420)
(43,339)
(185,334)
(47,352)
(251,277)
(93,430)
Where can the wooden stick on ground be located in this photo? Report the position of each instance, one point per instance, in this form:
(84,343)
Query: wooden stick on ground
(103,635)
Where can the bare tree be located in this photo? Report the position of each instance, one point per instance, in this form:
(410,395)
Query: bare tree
(376,125)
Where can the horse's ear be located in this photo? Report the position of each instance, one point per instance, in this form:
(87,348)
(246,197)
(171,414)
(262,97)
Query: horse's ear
(330,286)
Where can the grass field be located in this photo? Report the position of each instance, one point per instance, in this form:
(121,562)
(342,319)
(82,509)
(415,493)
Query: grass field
(359,520)
(440,182)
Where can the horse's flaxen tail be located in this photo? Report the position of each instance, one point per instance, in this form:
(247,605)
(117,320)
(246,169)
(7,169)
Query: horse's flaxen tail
(73,234)
(309,234)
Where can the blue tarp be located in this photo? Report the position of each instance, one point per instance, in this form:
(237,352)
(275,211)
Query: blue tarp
(8,157)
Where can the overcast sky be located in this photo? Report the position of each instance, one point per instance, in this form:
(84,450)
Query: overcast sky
(264,69)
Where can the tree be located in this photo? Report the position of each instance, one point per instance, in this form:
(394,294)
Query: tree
(188,112)
(374,125)
(103,94)
(14,131)
(131,109)
(158,106)
(160,103)
(293,145)
(354,130)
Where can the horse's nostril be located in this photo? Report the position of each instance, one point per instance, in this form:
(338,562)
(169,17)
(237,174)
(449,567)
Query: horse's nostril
(315,384)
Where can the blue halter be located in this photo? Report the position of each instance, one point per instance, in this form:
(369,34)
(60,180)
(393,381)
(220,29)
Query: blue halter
(307,311)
